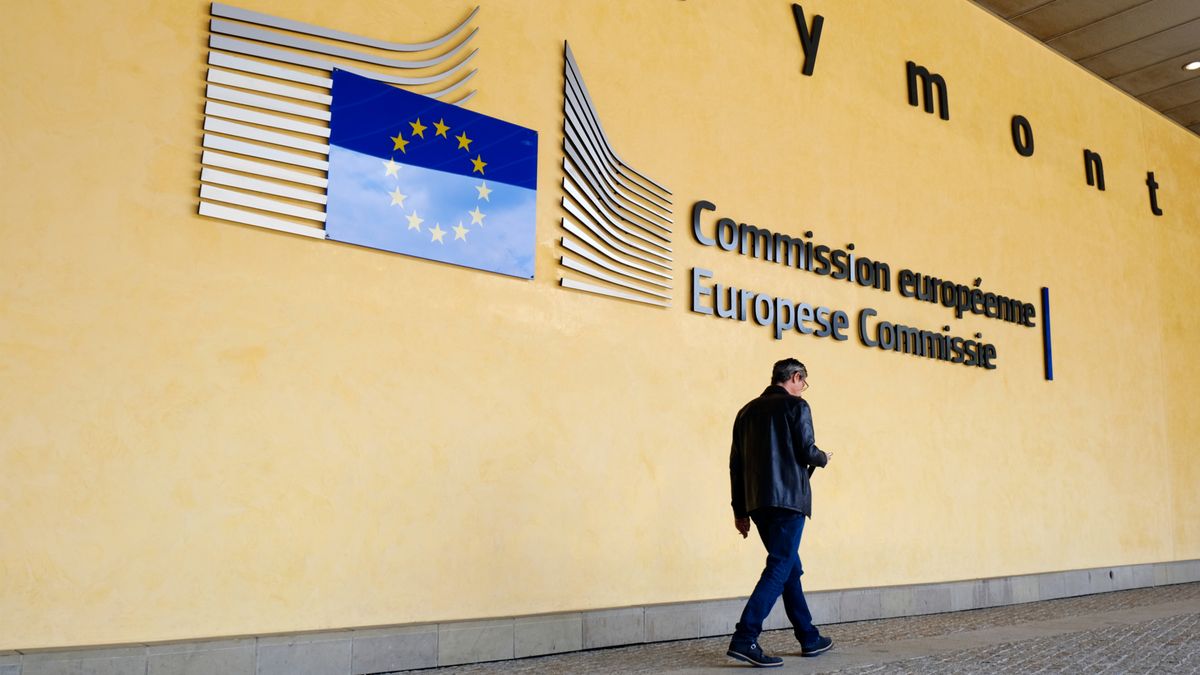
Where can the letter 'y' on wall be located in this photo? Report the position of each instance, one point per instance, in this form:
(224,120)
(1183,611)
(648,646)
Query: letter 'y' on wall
(810,40)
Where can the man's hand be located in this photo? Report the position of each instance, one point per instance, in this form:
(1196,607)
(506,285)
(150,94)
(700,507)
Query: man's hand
(828,457)
(742,525)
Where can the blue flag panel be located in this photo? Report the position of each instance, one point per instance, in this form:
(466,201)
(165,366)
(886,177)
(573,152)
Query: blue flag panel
(413,175)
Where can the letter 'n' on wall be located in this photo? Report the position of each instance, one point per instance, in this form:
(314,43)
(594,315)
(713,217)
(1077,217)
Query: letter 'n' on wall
(1093,167)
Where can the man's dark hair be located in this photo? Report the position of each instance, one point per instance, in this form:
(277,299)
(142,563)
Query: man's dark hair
(785,369)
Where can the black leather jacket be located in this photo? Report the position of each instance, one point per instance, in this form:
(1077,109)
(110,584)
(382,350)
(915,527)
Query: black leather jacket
(773,454)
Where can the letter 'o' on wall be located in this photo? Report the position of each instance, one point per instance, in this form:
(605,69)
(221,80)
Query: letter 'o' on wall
(1022,136)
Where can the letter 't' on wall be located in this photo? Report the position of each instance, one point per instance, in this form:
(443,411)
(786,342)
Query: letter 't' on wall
(1153,187)
(810,41)
(928,81)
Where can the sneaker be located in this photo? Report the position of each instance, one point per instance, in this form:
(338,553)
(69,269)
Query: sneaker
(821,644)
(753,654)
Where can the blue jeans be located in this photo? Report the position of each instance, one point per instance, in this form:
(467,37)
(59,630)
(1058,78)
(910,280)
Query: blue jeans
(780,531)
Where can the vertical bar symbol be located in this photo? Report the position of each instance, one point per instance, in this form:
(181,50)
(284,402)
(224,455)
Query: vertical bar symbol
(1046,353)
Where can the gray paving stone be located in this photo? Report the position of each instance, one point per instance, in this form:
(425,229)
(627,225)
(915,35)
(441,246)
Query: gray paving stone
(62,667)
(227,657)
(962,595)
(861,604)
(381,650)
(673,622)
(129,665)
(825,606)
(777,619)
(997,592)
(1183,572)
(10,669)
(1024,589)
(1100,581)
(1052,586)
(1161,575)
(979,598)
(932,598)
(1143,576)
(897,601)
(720,617)
(10,659)
(609,627)
(1076,582)
(1122,578)
(475,641)
(106,661)
(317,654)
(549,634)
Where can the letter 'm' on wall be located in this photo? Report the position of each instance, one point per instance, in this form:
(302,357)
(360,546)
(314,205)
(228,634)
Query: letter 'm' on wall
(928,81)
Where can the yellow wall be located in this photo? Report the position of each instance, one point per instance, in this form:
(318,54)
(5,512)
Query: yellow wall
(208,429)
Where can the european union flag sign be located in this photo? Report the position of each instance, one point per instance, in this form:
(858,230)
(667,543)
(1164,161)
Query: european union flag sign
(410,174)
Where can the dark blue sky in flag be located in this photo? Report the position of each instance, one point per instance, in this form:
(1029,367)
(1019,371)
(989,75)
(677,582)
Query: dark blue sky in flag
(380,120)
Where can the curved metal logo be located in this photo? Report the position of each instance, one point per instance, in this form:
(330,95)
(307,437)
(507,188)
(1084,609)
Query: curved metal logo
(266,118)
(617,229)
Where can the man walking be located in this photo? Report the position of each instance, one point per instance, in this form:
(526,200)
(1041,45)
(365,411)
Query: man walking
(772,458)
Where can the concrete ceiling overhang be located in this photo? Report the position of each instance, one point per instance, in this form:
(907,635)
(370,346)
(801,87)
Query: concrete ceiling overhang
(1139,46)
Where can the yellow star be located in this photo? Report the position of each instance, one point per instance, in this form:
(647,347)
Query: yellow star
(391,167)
(441,128)
(414,221)
(477,216)
(484,191)
(438,233)
(418,128)
(460,232)
(397,197)
(479,164)
(398,142)
(464,142)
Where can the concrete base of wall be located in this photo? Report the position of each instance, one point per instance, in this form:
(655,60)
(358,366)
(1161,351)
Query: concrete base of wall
(377,650)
